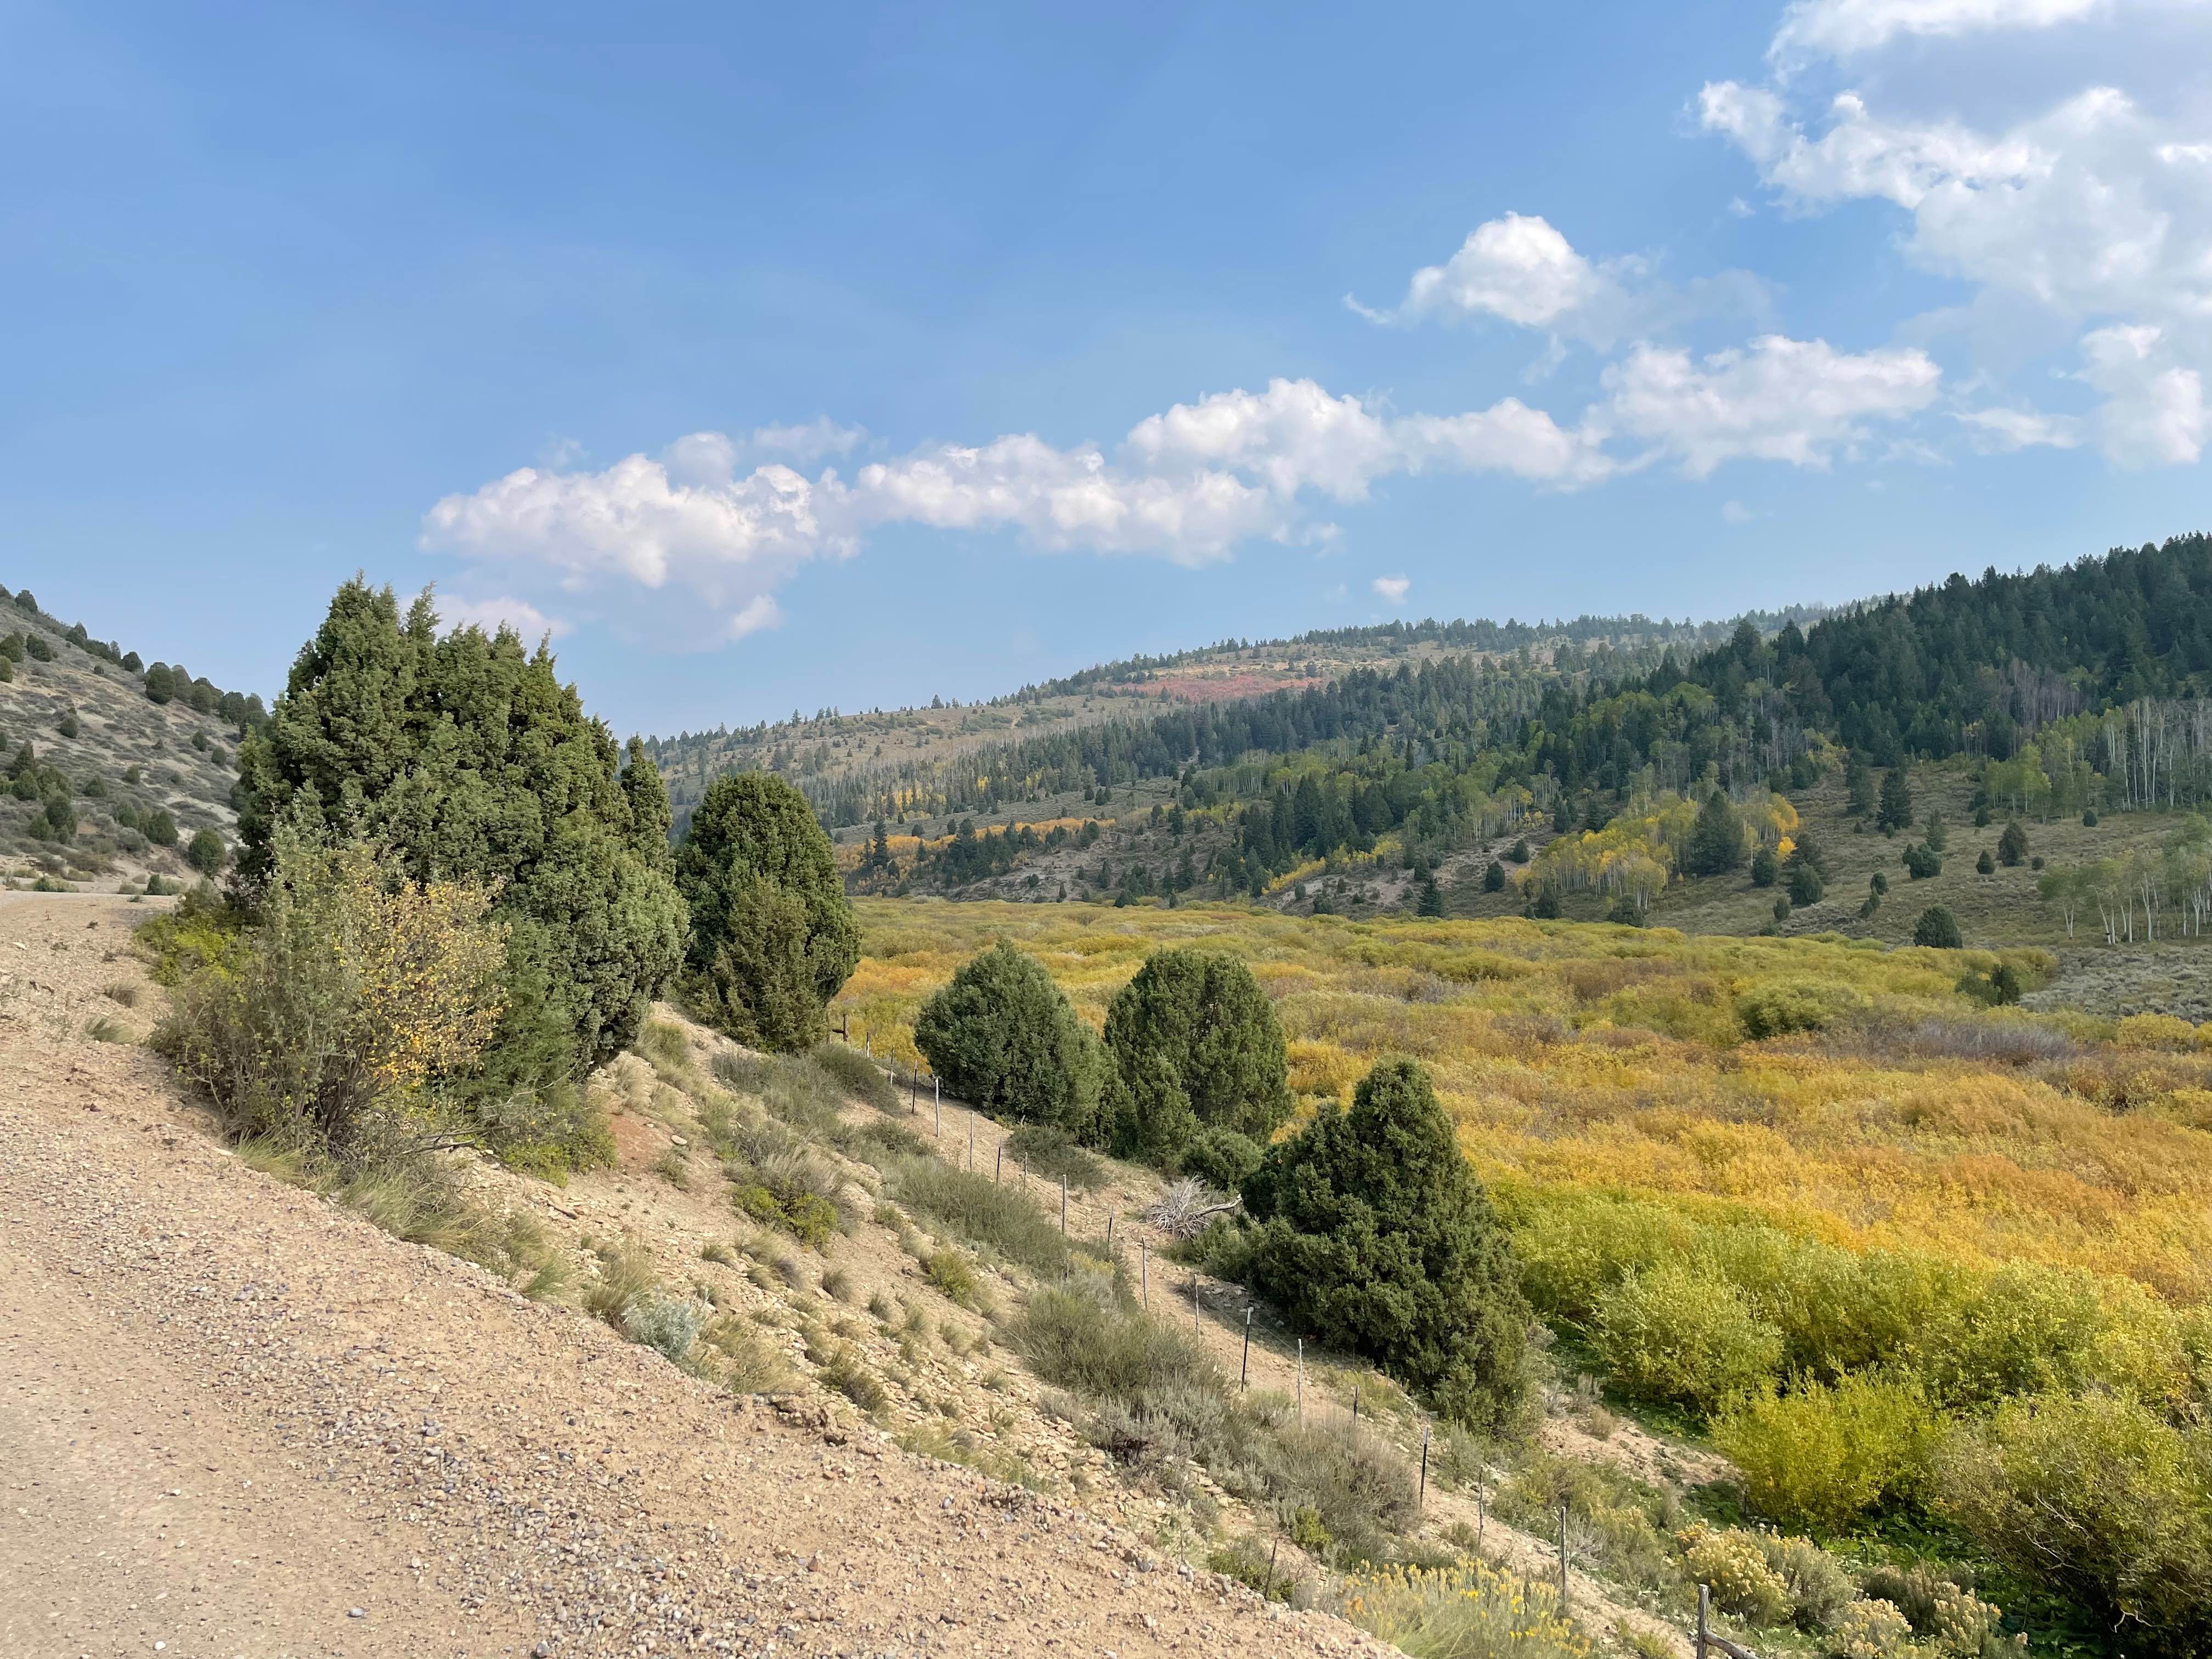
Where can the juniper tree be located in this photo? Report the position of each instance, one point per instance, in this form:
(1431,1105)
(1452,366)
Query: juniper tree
(1002,1036)
(772,934)
(1197,1046)
(1375,1235)
(466,756)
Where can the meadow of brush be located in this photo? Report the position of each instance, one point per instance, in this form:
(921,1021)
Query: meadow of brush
(1887,1109)
(1882,1240)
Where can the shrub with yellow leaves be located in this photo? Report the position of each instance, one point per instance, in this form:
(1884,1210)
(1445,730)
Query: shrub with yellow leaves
(355,997)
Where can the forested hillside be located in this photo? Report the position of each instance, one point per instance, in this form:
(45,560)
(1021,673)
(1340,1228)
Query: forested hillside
(2063,691)
(945,760)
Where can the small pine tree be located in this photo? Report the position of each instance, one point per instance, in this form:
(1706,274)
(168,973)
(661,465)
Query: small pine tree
(1921,862)
(1938,929)
(1985,864)
(1806,886)
(1493,877)
(1895,811)
(1431,901)
(206,853)
(772,934)
(2012,844)
(1545,907)
(1375,1235)
(1765,868)
(1782,907)
(160,688)
(1936,838)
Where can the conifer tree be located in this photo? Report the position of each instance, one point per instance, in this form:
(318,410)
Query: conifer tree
(1895,811)
(1716,845)
(773,936)
(1376,1236)
(1003,1038)
(466,756)
(1197,1046)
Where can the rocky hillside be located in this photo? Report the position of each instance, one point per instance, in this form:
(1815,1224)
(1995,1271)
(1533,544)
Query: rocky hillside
(112,764)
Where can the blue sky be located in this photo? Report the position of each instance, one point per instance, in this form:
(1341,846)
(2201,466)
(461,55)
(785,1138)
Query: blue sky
(785,357)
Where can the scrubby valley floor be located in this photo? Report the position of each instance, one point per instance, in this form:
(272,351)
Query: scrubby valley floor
(240,1420)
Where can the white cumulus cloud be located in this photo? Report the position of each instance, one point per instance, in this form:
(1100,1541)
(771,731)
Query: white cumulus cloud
(2154,411)
(1779,399)
(502,611)
(1845,28)
(1392,588)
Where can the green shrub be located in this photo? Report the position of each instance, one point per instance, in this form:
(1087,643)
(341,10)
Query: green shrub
(356,1002)
(1198,1046)
(1937,929)
(1765,868)
(788,1194)
(2098,1499)
(948,1270)
(668,1323)
(207,854)
(159,827)
(1819,1586)
(1785,1006)
(1222,1158)
(1819,1457)
(858,1075)
(1468,1611)
(1683,1333)
(1375,1235)
(772,936)
(1045,1150)
(1005,1039)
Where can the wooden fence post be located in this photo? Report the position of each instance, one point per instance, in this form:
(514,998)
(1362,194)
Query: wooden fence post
(1421,1503)
(1563,1561)
(1244,1368)
(1704,1618)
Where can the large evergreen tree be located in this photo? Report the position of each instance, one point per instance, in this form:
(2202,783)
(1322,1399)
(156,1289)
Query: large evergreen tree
(1376,1236)
(465,756)
(1003,1038)
(1198,1047)
(1895,811)
(1715,839)
(773,936)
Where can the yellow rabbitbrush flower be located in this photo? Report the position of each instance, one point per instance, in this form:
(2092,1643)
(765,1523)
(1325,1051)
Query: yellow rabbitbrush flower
(1469,1611)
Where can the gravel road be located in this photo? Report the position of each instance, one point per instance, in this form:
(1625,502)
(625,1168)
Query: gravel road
(236,1420)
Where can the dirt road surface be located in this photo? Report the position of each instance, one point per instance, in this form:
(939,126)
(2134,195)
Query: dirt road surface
(236,1420)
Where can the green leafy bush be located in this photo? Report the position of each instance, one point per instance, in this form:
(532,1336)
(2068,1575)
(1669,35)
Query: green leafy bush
(1820,1456)
(772,935)
(1222,1158)
(1375,1235)
(1681,1333)
(356,1002)
(1782,1006)
(2100,1496)
(207,854)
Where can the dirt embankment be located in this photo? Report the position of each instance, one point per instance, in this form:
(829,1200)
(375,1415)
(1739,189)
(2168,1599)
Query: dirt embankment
(236,1420)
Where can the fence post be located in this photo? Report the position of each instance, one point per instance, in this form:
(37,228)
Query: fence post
(1063,1206)
(972,1143)
(1355,1403)
(1704,1612)
(1563,1561)
(1145,1274)
(998,1164)
(1301,1382)
(1244,1367)
(1194,1304)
